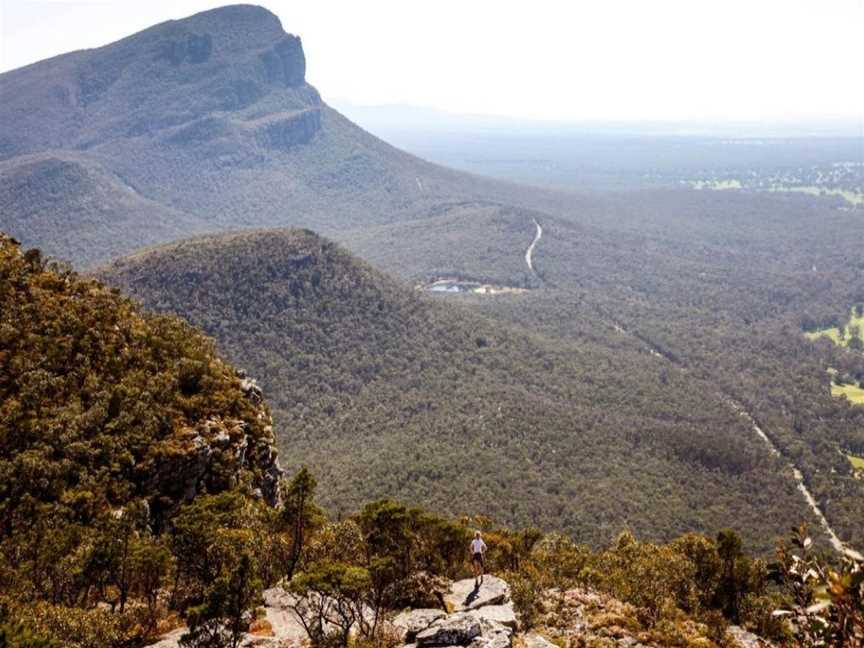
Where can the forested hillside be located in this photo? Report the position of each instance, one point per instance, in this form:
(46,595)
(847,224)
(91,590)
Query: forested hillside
(141,493)
(102,404)
(649,320)
(722,286)
(384,392)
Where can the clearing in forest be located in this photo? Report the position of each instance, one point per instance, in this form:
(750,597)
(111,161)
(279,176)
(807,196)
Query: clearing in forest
(854,393)
(854,328)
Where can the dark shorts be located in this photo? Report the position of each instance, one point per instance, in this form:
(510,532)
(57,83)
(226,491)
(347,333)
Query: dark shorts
(478,558)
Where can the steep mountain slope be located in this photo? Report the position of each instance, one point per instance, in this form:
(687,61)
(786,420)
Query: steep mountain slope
(210,122)
(101,405)
(86,210)
(386,393)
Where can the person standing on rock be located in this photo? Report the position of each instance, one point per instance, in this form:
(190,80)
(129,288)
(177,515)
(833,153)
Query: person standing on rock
(478,557)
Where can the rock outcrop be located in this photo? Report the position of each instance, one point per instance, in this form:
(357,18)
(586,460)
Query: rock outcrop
(578,617)
(465,595)
(458,629)
(285,132)
(411,622)
(478,616)
(215,455)
(285,62)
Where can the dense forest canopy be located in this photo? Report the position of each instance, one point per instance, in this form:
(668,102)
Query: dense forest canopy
(383,391)
(107,411)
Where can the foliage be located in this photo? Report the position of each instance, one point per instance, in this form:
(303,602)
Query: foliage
(828,600)
(346,353)
(221,620)
(331,599)
(110,421)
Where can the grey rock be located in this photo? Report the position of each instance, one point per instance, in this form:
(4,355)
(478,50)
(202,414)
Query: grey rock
(499,640)
(454,630)
(463,594)
(290,130)
(415,621)
(534,640)
(493,635)
(500,614)
(740,637)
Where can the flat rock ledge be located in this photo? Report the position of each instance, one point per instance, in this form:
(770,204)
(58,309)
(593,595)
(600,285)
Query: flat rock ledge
(465,595)
(478,617)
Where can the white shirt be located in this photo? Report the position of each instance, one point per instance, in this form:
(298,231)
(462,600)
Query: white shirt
(477,546)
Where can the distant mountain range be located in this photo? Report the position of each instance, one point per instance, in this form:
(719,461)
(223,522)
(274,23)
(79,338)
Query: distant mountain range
(191,126)
(394,119)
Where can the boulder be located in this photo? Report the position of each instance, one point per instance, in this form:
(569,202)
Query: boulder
(499,640)
(743,639)
(464,595)
(453,630)
(492,635)
(502,614)
(412,622)
(534,640)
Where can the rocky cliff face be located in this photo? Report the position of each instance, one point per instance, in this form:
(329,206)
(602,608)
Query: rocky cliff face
(216,455)
(169,75)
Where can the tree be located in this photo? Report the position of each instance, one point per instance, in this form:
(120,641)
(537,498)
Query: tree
(733,571)
(827,600)
(227,609)
(331,598)
(149,563)
(299,513)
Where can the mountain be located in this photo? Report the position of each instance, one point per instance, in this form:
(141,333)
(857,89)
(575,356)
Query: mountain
(142,501)
(695,300)
(103,405)
(384,392)
(195,125)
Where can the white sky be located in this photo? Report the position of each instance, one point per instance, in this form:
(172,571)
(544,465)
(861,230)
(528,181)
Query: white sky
(676,60)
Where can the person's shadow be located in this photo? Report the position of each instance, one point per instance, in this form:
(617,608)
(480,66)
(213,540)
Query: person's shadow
(472,595)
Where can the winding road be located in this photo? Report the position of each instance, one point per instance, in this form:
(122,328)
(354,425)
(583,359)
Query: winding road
(529,253)
(797,476)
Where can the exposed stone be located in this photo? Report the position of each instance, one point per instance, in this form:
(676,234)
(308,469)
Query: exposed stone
(500,614)
(250,388)
(454,630)
(497,640)
(464,595)
(194,49)
(534,640)
(492,634)
(740,637)
(415,621)
(291,130)
(285,62)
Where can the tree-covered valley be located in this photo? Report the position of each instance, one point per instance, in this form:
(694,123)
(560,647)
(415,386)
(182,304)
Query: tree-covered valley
(260,369)
(142,497)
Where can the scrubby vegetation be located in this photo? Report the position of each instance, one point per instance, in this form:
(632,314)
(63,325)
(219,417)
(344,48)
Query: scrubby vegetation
(110,421)
(349,576)
(99,550)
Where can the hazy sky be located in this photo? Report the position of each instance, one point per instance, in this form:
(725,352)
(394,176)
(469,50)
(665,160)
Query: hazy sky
(700,60)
